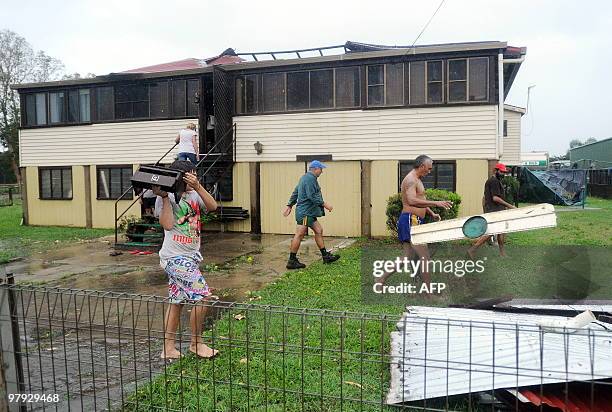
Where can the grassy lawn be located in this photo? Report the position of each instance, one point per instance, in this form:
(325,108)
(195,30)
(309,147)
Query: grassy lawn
(20,241)
(342,355)
(582,227)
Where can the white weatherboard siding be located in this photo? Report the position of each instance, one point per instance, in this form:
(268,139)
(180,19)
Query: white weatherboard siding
(99,144)
(457,132)
(512,143)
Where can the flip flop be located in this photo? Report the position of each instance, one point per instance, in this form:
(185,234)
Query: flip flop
(145,252)
(134,252)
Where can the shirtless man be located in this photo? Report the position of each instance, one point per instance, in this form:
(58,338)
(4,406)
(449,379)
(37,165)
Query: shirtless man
(415,207)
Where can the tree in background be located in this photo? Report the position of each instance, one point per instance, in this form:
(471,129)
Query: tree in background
(19,63)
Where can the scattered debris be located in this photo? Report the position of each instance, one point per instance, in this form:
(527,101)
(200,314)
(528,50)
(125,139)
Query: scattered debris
(439,352)
(239,316)
(115,253)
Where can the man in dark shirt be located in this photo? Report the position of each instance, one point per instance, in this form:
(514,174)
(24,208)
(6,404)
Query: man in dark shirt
(310,206)
(493,202)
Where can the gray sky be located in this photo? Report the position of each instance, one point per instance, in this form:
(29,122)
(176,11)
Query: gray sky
(569,43)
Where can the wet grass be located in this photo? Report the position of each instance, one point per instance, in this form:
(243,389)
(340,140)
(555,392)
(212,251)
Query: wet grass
(574,227)
(293,359)
(305,361)
(20,241)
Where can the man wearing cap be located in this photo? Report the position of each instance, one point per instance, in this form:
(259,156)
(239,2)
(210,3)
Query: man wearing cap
(310,205)
(493,202)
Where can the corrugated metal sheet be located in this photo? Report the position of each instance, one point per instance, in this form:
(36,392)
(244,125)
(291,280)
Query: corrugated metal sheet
(593,306)
(441,352)
(458,132)
(593,396)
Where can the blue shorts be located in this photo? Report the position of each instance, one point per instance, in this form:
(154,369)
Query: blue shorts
(405,223)
(188,156)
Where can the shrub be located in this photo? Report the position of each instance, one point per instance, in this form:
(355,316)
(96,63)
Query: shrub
(394,207)
(511,189)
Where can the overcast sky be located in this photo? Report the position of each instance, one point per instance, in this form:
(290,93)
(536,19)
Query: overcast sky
(569,43)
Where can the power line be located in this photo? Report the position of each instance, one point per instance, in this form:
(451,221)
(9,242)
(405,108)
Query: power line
(427,24)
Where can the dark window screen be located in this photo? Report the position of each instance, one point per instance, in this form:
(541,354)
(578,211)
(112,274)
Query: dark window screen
(395,84)
(131,101)
(348,91)
(417,83)
(158,96)
(193,90)
(274,92)
(297,91)
(105,103)
(321,89)
(479,79)
(178,98)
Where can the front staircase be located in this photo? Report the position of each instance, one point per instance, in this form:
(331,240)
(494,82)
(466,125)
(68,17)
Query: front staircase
(217,164)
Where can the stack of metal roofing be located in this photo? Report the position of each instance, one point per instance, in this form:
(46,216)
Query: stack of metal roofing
(439,352)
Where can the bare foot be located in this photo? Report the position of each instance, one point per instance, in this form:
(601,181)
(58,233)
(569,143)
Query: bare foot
(203,350)
(170,353)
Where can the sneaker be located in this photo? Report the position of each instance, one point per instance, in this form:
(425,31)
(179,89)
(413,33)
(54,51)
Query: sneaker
(295,264)
(329,258)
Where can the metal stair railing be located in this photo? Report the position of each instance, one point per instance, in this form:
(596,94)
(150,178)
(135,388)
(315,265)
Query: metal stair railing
(208,154)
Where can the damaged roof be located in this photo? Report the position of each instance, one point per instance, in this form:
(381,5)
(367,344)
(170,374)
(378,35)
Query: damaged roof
(230,60)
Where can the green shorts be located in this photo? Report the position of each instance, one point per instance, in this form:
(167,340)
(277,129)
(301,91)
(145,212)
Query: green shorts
(306,220)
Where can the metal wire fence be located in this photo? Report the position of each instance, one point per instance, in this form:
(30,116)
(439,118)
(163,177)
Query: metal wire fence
(93,350)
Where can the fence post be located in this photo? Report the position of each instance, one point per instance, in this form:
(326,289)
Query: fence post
(11,375)
(10,196)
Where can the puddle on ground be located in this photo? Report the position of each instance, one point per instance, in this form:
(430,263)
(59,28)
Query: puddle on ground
(234,264)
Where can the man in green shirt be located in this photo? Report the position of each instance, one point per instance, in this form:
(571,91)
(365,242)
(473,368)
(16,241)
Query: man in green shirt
(310,205)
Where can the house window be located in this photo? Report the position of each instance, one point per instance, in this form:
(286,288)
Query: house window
(394,84)
(158,100)
(442,176)
(105,103)
(348,88)
(78,106)
(434,82)
(479,79)
(84,105)
(113,181)
(193,91)
(36,109)
(55,183)
(274,92)
(247,94)
(321,89)
(417,83)
(298,90)
(56,107)
(457,80)
(179,93)
(131,101)
(376,85)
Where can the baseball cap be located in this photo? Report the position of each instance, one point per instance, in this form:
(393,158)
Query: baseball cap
(315,164)
(501,167)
